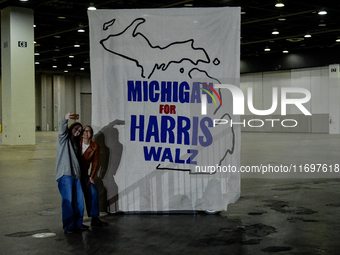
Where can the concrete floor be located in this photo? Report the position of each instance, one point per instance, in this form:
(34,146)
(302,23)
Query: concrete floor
(276,214)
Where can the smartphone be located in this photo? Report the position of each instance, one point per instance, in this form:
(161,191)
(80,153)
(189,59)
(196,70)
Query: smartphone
(74,116)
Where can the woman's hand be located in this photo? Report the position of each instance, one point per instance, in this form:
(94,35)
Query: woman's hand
(90,180)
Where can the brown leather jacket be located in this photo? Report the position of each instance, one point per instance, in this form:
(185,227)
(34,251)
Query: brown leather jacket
(91,155)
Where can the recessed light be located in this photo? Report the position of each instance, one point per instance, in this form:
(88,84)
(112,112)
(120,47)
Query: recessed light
(295,39)
(308,35)
(54,66)
(36,54)
(65,71)
(275,32)
(57,36)
(267,49)
(281,19)
(61,17)
(337,40)
(91,7)
(322,12)
(82,68)
(285,51)
(76,45)
(71,56)
(37,63)
(69,64)
(81,30)
(279,4)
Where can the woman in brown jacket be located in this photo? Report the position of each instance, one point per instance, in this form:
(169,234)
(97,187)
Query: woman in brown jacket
(90,154)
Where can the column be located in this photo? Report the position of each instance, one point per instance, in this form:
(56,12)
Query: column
(334,99)
(17,74)
(58,100)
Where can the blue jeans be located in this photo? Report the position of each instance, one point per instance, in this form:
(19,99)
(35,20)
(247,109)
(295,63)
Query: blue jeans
(72,202)
(91,197)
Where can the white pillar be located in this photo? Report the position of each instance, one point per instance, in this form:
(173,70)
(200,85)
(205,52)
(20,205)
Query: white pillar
(17,74)
(334,99)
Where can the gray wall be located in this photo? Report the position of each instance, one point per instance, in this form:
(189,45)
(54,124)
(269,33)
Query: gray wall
(313,79)
(57,95)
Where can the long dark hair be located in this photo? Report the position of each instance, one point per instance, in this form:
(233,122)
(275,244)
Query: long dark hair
(75,139)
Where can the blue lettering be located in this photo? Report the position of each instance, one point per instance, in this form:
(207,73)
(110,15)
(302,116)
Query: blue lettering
(206,132)
(165,129)
(134,127)
(193,155)
(178,155)
(194,131)
(145,90)
(154,97)
(175,91)
(152,154)
(135,91)
(167,155)
(195,93)
(152,130)
(183,130)
(183,92)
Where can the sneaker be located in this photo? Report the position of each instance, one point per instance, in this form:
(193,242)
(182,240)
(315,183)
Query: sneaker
(98,223)
(84,227)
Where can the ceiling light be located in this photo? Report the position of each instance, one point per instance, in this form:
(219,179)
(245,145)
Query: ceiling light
(34,42)
(307,35)
(188,5)
(322,12)
(267,49)
(322,23)
(54,66)
(275,32)
(37,63)
(36,54)
(34,25)
(338,40)
(61,17)
(69,64)
(65,71)
(91,7)
(57,36)
(76,45)
(295,39)
(23,0)
(243,12)
(81,30)
(279,4)
(71,56)
(281,19)
(82,68)
(285,51)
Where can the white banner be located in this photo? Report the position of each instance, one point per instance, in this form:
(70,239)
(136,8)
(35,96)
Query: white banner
(155,109)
